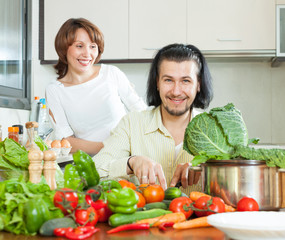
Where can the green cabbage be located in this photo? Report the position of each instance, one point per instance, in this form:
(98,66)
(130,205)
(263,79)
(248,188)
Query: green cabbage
(222,134)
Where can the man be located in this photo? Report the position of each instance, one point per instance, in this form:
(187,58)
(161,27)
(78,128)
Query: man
(148,144)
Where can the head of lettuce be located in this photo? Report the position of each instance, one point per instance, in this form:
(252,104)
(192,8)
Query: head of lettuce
(222,134)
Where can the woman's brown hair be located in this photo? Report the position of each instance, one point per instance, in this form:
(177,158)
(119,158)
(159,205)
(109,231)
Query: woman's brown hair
(66,36)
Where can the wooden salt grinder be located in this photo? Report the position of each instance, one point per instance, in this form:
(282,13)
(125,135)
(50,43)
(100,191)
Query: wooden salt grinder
(35,168)
(50,168)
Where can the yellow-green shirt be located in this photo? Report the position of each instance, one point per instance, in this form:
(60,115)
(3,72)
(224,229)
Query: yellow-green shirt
(141,134)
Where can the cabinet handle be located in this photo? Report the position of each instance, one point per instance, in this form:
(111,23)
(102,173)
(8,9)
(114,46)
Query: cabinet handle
(229,40)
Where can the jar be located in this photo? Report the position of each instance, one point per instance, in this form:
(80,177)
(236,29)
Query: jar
(13,133)
(21,131)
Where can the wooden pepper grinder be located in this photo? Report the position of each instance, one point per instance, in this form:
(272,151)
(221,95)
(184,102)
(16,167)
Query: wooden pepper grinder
(50,168)
(31,145)
(35,168)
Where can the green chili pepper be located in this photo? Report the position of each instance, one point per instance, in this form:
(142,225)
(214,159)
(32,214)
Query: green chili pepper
(122,200)
(110,184)
(86,168)
(72,178)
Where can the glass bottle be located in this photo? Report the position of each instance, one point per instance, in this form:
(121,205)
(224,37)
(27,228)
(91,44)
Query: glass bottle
(30,144)
(13,133)
(21,131)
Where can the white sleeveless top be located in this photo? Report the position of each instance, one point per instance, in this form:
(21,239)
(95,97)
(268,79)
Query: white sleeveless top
(92,109)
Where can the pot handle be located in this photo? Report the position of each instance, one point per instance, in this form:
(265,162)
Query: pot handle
(198,168)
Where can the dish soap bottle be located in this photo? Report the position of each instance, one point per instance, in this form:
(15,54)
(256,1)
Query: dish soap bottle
(34,109)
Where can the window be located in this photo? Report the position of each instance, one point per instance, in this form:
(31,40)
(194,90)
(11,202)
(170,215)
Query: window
(15,54)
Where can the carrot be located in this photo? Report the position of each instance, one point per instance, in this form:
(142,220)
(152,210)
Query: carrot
(229,208)
(195,195)
(170,217)
(193,223)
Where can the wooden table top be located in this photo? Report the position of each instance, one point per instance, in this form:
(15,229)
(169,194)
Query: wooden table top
(209,233)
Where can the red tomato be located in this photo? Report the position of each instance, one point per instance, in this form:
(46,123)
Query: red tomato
(215,204)
(178,205)
(124,183)
(153,193)
(143,186)
(247,204)
(89,198)
(141,201)
(86,217)
(66,200)
(102,210)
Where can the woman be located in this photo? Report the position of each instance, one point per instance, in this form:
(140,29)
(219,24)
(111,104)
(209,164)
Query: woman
(87,100)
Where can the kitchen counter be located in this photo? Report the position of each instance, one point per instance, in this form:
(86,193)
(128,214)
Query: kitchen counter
(209,233)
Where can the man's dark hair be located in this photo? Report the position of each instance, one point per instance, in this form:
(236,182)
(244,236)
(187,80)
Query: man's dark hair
(181,53)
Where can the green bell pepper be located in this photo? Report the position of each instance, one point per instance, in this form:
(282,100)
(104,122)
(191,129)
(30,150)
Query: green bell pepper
(109,184)
(72,178)
(122,200)
(86,168)
(36,212)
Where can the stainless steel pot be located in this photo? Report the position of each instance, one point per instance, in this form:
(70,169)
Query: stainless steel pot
(233,179)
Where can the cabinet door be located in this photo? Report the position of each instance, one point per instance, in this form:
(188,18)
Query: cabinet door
(155,24)
(231,24)
(111,16)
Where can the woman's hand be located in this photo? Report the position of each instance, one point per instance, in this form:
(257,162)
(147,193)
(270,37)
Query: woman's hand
(147,170)
(185,175)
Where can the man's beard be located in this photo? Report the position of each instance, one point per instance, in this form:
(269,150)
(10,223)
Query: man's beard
(176,112)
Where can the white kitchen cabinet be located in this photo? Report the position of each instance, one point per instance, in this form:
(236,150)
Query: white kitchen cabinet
(111,16)
(154,24)
(231,24)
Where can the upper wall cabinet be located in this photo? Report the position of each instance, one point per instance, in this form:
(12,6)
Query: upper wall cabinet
(231,24)
(136,29)
(111,16)
(154,24)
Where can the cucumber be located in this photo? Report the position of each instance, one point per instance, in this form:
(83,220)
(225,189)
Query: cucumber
(48,227)
(118,219)
(171,193)
(167,202)
(155,205)
(184,195)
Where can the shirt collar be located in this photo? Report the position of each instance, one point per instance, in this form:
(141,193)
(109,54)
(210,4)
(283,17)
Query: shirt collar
(156,123)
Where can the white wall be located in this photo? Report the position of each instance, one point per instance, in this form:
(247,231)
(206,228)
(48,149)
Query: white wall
(254,87)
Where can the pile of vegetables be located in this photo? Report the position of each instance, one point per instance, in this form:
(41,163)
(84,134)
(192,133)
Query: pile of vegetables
(222,134)
(73,210)
(25,206)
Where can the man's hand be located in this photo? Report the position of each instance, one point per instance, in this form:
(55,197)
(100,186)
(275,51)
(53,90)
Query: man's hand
(147,170)
(185,175)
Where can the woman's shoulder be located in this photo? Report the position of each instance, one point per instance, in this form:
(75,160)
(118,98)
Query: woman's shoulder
(53,85)
(111,69)
(140,115)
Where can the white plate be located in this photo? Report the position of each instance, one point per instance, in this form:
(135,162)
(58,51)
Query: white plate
(250,225)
